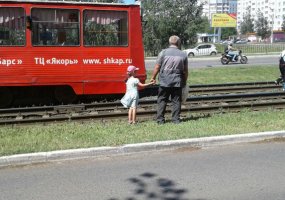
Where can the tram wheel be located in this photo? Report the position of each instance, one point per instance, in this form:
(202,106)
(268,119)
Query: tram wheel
(6,97)
(64,94)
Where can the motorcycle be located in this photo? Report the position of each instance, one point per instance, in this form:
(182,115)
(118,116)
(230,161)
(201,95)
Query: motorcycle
(226,58)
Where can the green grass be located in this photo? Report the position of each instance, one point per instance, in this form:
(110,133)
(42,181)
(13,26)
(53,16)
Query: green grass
(230,74)
(69,135)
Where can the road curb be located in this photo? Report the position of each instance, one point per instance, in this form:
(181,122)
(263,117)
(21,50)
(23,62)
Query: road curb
(43,157)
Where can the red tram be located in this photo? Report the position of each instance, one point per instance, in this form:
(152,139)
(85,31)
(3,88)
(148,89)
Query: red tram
(67,48)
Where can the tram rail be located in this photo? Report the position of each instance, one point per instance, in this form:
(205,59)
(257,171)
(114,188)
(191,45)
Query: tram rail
(226,88)
(147,108)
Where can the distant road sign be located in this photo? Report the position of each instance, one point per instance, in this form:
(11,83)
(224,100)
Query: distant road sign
(224,20)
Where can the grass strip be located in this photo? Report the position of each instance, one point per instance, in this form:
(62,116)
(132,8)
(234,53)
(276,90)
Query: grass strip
(71,135)
(233,74)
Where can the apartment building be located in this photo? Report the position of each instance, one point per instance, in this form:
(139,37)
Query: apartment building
(273,11)
(218,6)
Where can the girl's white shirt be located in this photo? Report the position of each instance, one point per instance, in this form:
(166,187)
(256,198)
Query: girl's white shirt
(132,87)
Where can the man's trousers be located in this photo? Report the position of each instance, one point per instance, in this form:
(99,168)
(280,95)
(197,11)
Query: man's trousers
(163,96)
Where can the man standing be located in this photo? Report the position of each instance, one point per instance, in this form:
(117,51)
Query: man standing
(172,67)
(282,68)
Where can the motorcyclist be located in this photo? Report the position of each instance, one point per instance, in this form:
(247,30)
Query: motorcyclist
(231,51)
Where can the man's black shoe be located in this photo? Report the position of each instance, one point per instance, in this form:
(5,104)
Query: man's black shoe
(278,81)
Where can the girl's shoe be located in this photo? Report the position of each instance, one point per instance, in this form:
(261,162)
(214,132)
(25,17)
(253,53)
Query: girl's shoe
(130,122)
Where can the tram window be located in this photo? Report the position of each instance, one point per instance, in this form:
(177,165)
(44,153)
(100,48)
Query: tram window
(105,28)
(12,26)
(55,27)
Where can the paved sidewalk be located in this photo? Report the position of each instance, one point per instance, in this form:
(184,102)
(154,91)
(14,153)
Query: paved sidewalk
(43,157)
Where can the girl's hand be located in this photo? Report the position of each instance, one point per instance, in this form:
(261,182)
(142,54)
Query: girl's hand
(152,81)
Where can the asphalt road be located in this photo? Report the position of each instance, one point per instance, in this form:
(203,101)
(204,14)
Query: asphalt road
(249,171)
(203,62)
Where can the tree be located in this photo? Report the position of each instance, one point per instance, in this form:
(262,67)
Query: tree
(205,26)
(247,25)
(283,23)
(227,32)
(170,17)
(261,26)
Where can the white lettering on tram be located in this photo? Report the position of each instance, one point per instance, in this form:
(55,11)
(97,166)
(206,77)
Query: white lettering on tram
(40,61)
(55,61)
(113,61)
(9,62)
(91,61)
(105,61)
(64,61)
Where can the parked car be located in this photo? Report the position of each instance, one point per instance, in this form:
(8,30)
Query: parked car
(202,50)
(242,41)
(226,42)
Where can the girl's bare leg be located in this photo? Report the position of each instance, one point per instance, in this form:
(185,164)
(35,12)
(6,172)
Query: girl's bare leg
(130,115)
(134,115)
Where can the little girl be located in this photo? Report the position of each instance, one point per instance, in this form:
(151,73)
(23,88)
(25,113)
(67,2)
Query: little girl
(131,98)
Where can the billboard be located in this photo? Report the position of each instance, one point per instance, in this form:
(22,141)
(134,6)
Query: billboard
(224,20)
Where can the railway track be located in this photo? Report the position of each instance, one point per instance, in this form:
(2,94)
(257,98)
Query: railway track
(234,88)
(147,109)
(227,88)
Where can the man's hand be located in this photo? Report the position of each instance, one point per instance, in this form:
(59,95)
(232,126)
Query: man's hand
(155,72)
(153,81)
